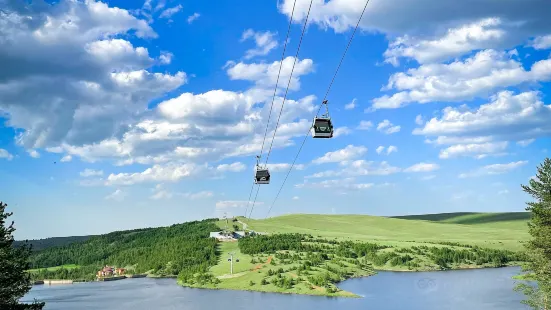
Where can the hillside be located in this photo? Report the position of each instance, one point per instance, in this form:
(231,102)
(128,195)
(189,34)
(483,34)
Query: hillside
(508,220)
(396,231)
(41,244)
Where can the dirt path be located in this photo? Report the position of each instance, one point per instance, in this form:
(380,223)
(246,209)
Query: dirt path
(263,264)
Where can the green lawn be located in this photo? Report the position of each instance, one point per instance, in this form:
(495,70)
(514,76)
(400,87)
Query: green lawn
(69,266)
(507,220)
(505,234)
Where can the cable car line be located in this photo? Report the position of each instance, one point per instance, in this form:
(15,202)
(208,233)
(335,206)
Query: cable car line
(323,102)
(289,83)
(278,74)
(262,175)
(273,99)
(255,196)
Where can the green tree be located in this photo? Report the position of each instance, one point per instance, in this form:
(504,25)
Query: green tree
(15,282)
(538,249)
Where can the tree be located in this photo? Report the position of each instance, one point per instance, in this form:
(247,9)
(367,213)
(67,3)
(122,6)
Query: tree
(15,282)
(538,249)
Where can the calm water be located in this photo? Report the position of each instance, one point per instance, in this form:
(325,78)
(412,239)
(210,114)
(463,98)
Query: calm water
(462,290)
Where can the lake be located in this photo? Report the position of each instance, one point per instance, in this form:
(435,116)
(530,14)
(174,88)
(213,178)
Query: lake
(480,289)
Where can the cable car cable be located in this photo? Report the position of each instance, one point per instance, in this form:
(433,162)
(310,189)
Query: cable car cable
(324,98)
(278,74)
(286,91)
(289,83)
(255,196)
(273,98)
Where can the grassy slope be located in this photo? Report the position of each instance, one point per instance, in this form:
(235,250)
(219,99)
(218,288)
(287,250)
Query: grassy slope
(508,220)
(69,266)
(244,272)
(397,232)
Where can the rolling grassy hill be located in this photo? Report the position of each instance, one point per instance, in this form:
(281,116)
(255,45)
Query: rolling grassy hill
(502,232)
(507,220)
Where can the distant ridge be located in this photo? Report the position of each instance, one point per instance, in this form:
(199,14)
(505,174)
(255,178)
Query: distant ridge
(41,244)
(468,218)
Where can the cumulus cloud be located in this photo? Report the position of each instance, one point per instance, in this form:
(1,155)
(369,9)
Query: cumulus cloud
(486,130)
(193,17)
(542,42)
(91,173)
(342,131)
(390,149)
(5,154)
(341,184)
(481,34)
(348,153)
(351,105)
(475,77)
(472,23)
(265,74)
(494,169)
(419,120)
(167,13)
(33,153)
(264,41)
(235,167)
(387,127)
(106,85)
(422,167)
(117,195)
(365,125)
(358,168)
(66,158)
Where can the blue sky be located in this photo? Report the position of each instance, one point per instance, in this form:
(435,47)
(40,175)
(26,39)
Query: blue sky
(153,112)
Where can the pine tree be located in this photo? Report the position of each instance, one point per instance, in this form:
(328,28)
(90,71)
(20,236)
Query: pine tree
(14,280)
(538,249)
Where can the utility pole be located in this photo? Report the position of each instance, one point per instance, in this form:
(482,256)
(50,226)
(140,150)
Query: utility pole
(231,262)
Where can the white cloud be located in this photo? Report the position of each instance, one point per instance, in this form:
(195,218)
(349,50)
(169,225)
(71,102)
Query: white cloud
(66,158)
(494,169)
(487,129)
(166,57)
(91,173)
(427,177)
(387,127)
(193,17)
(225,204)
(419,120)
(117,195)
(351,105)
(106,85)
(432,21)
(380,149)
(235,167)
(341,131)
(484,33)
(5,154)
(358,168)
(389,150)
(296,198)
(265,74)
(33,153)
(167,13)
(265,42)
(475,150)
(169,173)
(348,153)
(475,77)
(526,142)
(343,184)
(542,42)
(422,167)
(365,125)
(281,167)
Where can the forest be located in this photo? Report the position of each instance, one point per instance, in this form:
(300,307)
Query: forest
(41,244)
(162,251)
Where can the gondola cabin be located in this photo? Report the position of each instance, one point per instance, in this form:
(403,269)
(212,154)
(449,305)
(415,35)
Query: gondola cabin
(262,176)
(322,128)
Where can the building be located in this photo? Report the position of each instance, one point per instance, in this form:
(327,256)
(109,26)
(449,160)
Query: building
(227,236)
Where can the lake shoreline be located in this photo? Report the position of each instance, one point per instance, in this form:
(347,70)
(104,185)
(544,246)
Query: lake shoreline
(345,294)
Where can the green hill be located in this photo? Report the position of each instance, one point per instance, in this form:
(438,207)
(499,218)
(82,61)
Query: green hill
(501,233)
(41,244)
(507,220)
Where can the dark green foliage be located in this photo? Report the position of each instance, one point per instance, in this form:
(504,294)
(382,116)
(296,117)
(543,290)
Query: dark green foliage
(14,280)
(42,244)
(86,273)
(251,283)
(186,246)
(270,244)
(283,282)
(263,282)
(538,249)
